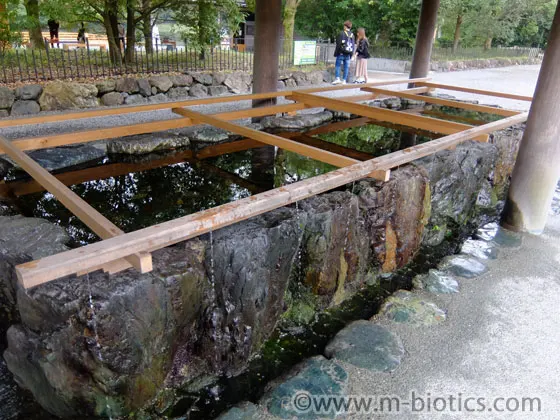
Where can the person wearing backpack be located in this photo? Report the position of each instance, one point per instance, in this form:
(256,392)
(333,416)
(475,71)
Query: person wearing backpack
(345,45)
(362,54)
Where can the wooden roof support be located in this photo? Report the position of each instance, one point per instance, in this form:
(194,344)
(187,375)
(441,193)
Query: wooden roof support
(417,121)
(444,102)
(283,143)
(476,91)
(165,234)
(92,218)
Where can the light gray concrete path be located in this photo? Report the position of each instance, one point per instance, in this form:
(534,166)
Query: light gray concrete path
(500,340)
(520,80)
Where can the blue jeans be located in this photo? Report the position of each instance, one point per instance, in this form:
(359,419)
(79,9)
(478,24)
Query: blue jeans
(340,59)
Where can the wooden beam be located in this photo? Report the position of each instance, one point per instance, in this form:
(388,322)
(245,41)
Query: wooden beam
(20,188)
(353,86)
(165,234)
(283,143)
(87,214)
(229,147)
(445,102)
(476,91)
(417,121)
(122,110)
(332,147)
(443,115)
(56,140)
(342,125)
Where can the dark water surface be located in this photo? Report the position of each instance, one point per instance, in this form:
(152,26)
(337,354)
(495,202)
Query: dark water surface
(134,193)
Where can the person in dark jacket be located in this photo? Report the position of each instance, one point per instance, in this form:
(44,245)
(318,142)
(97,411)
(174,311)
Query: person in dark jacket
(345,46)
(362,55)
(53,31)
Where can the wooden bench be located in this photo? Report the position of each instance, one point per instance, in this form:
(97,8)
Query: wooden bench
(71,38)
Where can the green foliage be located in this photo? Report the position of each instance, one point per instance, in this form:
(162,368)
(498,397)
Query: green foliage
(390,20)
(506,22)
(12,20)
(202,23)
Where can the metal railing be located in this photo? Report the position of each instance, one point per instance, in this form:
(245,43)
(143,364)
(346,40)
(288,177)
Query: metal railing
(80,61)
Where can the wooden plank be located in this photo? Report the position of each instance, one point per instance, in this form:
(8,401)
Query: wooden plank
(477,91)
(56,140)
(332,147)
(283,143)
(165,234)
(417,121)
(229,147)
(122,110)
(445,102)
(459,118)
(20,188)
(356,86)
(87,214)
(342,125)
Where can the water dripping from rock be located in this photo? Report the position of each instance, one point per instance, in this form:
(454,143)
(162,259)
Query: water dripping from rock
(96,343)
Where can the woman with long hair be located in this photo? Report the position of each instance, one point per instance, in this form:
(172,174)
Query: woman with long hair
(362,54)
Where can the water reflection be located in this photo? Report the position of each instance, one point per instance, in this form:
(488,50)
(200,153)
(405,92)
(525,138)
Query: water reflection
(149,196)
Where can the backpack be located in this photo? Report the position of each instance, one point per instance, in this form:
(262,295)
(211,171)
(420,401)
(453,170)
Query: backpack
(348,43)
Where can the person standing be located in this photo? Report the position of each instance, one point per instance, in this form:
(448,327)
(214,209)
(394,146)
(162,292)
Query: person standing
(53,31)
(82,35)
(362,55)
(345,45)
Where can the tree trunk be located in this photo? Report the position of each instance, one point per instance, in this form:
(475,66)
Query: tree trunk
(290,9)
(488,43)
(35,35)
(4,27)
(112,38)
(147,31)
(457,36)
(130,32)
(536,171)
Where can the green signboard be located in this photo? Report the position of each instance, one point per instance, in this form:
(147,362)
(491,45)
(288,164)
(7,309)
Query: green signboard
(305,52)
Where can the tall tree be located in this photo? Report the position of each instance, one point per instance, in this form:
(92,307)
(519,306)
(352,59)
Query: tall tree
(203,22)
(34,24)
(288,21)
(455,11)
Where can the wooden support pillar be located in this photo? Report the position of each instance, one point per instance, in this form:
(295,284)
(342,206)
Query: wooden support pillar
(424,40)
(268,17)
(537,171)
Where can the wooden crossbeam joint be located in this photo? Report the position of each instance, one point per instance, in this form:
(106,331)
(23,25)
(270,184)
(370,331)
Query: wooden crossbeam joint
(87,214)
(387,115)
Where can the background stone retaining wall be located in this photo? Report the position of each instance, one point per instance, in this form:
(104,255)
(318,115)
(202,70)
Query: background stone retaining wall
(55,96)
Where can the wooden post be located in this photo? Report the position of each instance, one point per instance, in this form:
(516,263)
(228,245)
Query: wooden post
(424,40)
(268,17)
(537,171)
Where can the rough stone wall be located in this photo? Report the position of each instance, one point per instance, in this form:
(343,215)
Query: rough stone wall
(59,95)
(481,63)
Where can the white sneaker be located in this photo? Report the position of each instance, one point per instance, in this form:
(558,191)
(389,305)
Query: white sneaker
(337,81)
(344,82)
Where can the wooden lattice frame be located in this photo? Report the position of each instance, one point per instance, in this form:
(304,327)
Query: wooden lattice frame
(119,251)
